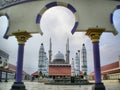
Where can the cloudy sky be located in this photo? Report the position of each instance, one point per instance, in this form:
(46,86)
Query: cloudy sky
(59,32)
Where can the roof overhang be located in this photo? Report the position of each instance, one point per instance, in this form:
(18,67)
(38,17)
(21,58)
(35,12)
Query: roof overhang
(27,16)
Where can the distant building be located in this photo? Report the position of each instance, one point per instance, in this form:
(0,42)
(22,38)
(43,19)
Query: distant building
(11,71)
(12,68)
(35,74)
(110,71)
(7,70)
(3,64)
(4,59)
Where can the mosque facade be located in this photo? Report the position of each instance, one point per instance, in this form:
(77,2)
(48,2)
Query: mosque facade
(59,65)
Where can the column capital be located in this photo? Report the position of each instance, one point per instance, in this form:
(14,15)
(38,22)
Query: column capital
(22,36)
(95,33)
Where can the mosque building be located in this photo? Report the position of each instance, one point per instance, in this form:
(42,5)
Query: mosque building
(59,65)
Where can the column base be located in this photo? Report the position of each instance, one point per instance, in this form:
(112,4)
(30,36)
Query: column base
(98,86)
(18,86)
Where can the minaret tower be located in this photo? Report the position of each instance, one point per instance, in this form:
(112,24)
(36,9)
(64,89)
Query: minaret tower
(79,59)
(50,52)
(42,60)
(46,65)
(77,65)
(84,60)
(72,68)
(119,61)
(67,51)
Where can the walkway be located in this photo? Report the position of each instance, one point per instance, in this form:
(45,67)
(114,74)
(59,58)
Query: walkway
(41,86)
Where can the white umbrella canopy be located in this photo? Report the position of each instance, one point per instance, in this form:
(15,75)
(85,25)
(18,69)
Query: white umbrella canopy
(26,14)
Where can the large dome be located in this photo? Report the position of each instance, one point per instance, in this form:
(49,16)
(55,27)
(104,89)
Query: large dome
(59,55)
(59,58)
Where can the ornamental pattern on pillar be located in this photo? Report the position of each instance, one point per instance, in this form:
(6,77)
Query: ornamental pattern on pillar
(22,36)
(95,33)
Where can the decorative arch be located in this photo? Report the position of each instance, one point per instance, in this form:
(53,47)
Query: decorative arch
(111,16)
(53,4)
(8,18)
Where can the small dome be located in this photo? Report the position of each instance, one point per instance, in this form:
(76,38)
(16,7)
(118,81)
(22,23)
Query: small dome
(59,56)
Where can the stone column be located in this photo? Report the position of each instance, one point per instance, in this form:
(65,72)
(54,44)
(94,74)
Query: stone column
(22,37)
(6,77)
(94,34)
(0,76)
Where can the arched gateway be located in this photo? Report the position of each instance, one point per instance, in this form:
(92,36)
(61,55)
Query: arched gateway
(91,16)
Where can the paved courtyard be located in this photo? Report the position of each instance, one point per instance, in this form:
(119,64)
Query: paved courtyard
(42,86)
